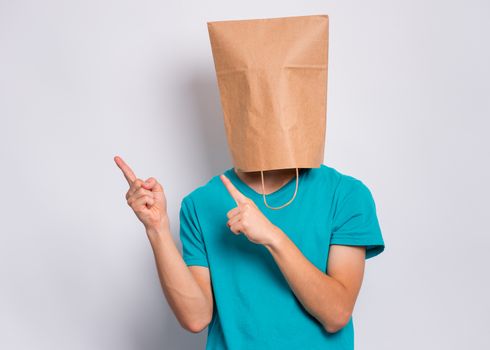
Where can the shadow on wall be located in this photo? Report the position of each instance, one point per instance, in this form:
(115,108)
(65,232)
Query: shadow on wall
(202,88)
(154,325)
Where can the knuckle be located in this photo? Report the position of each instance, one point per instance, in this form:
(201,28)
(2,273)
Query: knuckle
(139,208)
(144,192)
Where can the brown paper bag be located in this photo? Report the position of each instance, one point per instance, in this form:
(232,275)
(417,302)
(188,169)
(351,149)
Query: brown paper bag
(272,78)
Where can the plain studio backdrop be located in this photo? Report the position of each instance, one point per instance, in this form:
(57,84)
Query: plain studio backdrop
(82,81)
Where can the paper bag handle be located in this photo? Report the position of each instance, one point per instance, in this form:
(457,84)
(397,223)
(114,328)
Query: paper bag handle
(288,202)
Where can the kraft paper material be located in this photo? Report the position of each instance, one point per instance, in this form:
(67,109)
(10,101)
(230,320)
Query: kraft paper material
(272,78)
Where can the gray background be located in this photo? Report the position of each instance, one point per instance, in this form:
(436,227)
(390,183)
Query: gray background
(82,81)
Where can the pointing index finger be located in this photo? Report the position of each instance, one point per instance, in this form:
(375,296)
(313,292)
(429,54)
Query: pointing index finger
(234,192)
(127,172)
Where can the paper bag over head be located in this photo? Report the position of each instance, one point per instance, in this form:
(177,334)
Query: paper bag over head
(272,78)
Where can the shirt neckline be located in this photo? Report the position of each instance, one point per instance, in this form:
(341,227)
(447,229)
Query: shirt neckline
(250,192)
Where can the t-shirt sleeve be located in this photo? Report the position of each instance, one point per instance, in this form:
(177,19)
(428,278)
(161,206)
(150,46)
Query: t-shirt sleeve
(355,221)
(193,247)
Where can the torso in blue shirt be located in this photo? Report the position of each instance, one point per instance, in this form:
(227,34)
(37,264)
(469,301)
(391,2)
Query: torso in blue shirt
(254,307)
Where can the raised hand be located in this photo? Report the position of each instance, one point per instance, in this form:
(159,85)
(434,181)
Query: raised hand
(247,218)
(146,198)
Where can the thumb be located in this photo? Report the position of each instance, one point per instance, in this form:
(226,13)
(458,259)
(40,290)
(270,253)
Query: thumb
(152,184)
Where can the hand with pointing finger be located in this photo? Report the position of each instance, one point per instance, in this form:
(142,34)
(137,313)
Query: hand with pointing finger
(247,218)
(146,198)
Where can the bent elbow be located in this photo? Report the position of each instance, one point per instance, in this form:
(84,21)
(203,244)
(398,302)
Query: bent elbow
(195,327)
(338,323)
(333,328)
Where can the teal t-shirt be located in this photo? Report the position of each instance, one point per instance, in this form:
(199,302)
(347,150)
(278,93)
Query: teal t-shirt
(254,307)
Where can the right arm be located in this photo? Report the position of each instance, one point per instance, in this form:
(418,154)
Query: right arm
(187,288)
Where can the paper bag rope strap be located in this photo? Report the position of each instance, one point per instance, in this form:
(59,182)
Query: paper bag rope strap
(288,202)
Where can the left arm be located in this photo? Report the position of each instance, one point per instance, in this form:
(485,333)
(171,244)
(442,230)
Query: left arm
(329,297)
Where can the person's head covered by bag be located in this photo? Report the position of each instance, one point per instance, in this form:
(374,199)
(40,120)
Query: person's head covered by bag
(272,78)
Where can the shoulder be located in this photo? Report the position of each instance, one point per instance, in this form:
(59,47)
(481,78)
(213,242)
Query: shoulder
(344,184)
